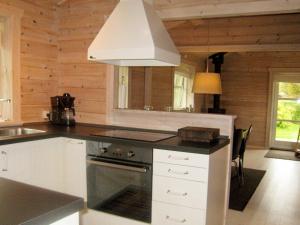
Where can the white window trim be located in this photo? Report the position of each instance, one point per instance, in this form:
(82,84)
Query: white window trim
(188,73)
(283,75)
(13,23)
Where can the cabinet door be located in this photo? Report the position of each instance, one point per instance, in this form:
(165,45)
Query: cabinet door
(16,161)
(3,162)
(168,214)
(47,167)
(75,167)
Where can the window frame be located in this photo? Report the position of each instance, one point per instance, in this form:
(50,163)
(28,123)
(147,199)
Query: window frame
(278,75)
(183,87)
(12,23)
(188,74)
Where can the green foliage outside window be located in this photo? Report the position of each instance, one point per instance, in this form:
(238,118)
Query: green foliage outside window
(288,109)
(289,90)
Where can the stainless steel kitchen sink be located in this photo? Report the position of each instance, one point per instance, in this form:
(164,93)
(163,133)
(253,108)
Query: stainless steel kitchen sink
(18,131)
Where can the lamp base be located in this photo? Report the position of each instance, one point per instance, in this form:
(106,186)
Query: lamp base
(216,110)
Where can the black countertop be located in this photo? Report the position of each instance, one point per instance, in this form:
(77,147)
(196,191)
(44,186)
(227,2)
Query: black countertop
(22,204)
(86,131)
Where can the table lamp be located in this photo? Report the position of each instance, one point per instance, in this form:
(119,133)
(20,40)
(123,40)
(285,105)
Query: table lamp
(207,83)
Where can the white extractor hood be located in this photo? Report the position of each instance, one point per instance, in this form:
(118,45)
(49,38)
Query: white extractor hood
(134,35)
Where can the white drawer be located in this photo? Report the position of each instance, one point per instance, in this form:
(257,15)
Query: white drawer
(180,192)
(167,214)
(180,158)
(181,172)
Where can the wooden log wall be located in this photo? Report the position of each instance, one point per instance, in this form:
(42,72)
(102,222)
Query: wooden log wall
(79,22)
(39,77)
(55,40)
(136,91)
(245,82)
(252,30)
(162,87)
(246,72)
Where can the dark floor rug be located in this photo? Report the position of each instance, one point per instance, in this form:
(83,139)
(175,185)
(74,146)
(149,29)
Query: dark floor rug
(282,154)
(240,195)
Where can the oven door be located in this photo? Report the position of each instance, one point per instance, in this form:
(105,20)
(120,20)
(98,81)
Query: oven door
(120,187)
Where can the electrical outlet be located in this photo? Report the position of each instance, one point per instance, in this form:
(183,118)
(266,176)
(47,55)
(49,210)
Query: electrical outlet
(44,114)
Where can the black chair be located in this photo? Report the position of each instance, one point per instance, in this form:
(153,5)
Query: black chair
(240,139)
(236,146)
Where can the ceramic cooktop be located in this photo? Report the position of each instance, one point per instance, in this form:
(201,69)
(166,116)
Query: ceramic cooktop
(134,135)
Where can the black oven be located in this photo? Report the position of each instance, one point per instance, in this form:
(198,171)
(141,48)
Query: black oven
(119,180)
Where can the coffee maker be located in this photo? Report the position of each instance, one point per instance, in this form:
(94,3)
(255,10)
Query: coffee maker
(62,110)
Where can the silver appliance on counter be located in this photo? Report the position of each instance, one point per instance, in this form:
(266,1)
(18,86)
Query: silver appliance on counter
(62,110)
(119,179)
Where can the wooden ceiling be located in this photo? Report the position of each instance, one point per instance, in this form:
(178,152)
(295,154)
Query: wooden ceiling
(187,9)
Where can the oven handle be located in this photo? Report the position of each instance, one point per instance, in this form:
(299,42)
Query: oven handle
(141,169)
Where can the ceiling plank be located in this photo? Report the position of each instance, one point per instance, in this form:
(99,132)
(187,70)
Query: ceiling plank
(225,9)
(241,48)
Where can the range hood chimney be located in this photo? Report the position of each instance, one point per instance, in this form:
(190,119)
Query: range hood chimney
(134,35)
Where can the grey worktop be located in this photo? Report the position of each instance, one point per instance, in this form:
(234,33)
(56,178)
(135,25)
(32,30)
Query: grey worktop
(86,131)
(22,204)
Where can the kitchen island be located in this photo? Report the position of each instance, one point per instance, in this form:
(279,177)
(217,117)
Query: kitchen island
(22,204)
(87,132)
(189,180)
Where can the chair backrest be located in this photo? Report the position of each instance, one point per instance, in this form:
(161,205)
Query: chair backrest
(237,142)
(246,134)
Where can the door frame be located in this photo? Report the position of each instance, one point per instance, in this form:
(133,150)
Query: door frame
(283,75)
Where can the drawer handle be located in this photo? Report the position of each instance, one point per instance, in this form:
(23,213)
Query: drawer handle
(175,220)
(176,193)
(178,158)
(177,172)
(5,160)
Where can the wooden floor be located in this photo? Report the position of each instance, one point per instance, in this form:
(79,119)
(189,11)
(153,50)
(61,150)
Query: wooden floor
(277,199)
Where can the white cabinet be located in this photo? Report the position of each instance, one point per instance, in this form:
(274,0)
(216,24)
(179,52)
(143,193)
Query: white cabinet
(181,172)
(16,160)
(169,214)
(179,192)
(38,163)
(181,158)
(57,164)
(179,188)
(75,167)
(189,188)
(47,164)
(3,162)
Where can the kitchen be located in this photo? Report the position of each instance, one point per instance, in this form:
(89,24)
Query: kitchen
(55,36)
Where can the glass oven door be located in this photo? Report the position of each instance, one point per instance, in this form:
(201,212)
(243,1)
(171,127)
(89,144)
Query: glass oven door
(120,187)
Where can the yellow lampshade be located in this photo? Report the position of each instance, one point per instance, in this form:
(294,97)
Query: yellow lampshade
(207,83)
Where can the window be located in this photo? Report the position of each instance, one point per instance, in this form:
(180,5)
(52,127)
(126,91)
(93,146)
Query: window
(123,87)
(288,111)
(180,91)
(285,108)
(10,35)
(183,83)
(5,78)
